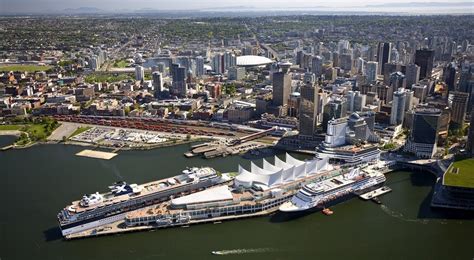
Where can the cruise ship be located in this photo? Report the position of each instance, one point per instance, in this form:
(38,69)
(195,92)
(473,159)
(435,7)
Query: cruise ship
(257,192)
(320,195)
(98,209)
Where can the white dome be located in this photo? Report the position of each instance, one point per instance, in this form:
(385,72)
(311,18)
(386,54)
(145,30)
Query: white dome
(252,60)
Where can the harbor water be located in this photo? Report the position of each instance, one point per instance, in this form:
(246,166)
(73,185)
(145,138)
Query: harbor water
(39,181)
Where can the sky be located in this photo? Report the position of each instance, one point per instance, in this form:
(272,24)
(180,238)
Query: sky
(18,6)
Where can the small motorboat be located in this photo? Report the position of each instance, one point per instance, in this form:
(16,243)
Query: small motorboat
(327,211)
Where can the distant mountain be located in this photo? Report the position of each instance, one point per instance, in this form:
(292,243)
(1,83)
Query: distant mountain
(423,4)
(84,10)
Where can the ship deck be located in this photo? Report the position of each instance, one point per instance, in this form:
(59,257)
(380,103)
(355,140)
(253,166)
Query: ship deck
(147,188)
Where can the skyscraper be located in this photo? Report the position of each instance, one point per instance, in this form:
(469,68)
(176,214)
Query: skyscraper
(308,109)
(371,71)
(317,66)
(459,107)
(218,63)
(139,73)
(281,88)
(199,66)
(412,74)
(398,107)
(470,137)
(425,59)
(383,55)
(424,134)
(179,86)
(157,81)
(449,75)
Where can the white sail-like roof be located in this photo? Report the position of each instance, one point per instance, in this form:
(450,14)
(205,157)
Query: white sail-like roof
(282,164)
(272,175)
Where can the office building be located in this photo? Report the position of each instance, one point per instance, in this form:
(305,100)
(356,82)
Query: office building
(425,59)
(424,133)
(236,73)
(179,85)
(218,63)
(383,55)
(371,71)
(317,66)
(459,107)
(308,111)
(157,81)
(398,107)
(281,88)
(470,137)
(139,73)
(200,66)
(449,75)
(412,75)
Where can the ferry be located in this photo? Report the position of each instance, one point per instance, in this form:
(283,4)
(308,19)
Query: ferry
(321,195)
(98,209)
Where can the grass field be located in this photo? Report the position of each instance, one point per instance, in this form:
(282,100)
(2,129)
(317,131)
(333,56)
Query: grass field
(10,127)
(27,68)
(460,174)
(80,130)
(121,64)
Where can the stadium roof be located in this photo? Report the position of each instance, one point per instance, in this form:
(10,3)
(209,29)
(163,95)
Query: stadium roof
(252,60)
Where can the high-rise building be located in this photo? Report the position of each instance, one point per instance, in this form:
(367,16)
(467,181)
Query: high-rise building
(398,107)
(412,74)
(308,109)
(281,88)
(334,108)
(199,66)
(157,81)
(345,62)
(371,71)
(425,59)
(229,60)
(424,133)
(139,73)
(317,66)
(449,75)
(470,137)
(179,86)
(236,73)
(218,63)
(459,107)
(397,80)
(420,91)
(383,55)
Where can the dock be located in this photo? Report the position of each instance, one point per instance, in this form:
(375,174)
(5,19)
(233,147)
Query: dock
(375,193)
(119,227)
(96,154)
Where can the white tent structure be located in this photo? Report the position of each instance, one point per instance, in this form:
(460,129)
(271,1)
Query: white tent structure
(281,172)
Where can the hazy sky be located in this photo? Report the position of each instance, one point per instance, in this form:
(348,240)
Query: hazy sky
(111,5)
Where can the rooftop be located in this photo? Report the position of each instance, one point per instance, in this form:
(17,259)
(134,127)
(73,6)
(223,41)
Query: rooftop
(252,60)
(460,174)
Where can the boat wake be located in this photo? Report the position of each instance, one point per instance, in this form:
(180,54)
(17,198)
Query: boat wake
(400,216)
(243,251)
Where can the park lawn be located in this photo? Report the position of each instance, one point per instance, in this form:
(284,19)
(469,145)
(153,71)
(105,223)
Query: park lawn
(121,64)
(27,68)
(460,174)
(80,130)
(10,127)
